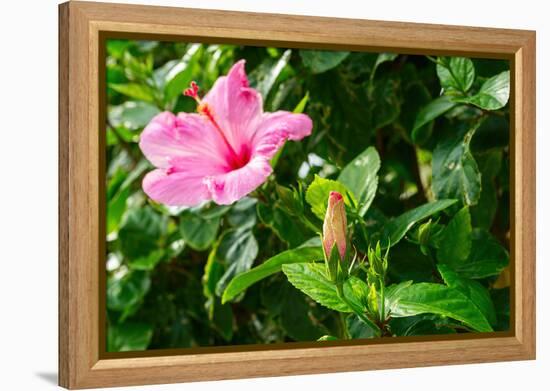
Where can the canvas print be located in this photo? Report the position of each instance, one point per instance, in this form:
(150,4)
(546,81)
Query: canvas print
(262,195)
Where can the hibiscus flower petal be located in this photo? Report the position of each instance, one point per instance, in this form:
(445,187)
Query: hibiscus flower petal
(269,143)
(294,126)
(236,107)
(227,188)
(175,189)
(276,128)
(168,138)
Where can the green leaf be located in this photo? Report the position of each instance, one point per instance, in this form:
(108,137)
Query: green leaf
(456,74)
(118,192)
(238,249)
(425,324)
(297,319)
(221,316)
(409,263)
(273,294)
(264,77)
(301,105)
(129,336)
(471,289)
(198,232)
(181,74)
(290,200)
(493,94)
(242,214)
(487,257)
(397,227)
(320,61)
(132,115)
(456,241)
(125,292)
(273,265)
(434,109)
(317,195)
(328,338)
(415,97)
(392,295)
(310,278)
(146,262)
(117,47)
(357,329)
(116,207)
(140,232)
(360,176)
(454,170)
(213,211)
(438,299)
(380,59)
(285,227)
(213,271)
(484,212)
(384,103)
(135,91)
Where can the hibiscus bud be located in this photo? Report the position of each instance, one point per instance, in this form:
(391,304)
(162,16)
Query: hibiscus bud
(335,225)
(378,262)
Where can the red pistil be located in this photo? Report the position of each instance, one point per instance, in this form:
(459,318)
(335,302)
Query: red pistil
(203,108)
(192,91)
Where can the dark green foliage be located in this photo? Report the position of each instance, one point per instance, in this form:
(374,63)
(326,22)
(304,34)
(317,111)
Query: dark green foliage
(419,148)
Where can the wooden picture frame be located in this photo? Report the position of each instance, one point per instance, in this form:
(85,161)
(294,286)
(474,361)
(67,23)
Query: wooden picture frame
(83,26)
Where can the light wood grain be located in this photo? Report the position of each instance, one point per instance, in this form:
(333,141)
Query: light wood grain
(81,250)
(64,340)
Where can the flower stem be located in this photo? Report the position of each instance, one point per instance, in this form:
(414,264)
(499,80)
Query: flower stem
(382,301)
(345,333)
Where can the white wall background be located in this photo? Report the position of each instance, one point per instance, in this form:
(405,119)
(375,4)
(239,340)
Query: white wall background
(28,191)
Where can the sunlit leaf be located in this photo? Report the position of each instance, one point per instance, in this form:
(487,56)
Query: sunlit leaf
(455,73)
(476,292)
(397,227)
(493,94)
(311,279)
(438,299)
(360,176)
(318,192)
(135,91)
(271,266)
(456,241)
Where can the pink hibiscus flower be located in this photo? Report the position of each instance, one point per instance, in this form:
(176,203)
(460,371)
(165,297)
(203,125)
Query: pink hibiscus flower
(222,152)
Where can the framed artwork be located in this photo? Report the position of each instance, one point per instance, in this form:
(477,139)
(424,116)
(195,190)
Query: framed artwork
(247,195)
